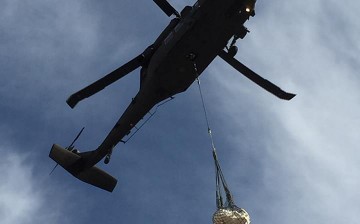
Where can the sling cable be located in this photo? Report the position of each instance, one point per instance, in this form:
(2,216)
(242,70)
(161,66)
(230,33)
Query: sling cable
(227,212)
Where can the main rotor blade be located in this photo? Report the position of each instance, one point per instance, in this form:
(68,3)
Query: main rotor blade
(264,83)
(105,81)
(167,8)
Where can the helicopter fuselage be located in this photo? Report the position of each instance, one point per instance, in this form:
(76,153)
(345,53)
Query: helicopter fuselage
(169,66)
(180,54)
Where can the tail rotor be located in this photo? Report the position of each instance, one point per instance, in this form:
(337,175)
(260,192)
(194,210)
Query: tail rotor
(70,148)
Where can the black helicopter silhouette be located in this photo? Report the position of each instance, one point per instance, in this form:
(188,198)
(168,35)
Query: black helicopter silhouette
(191,41)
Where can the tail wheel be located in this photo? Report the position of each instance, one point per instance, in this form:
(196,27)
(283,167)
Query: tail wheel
(107,159)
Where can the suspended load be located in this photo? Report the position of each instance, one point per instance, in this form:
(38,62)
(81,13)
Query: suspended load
(228,212)
(233,215)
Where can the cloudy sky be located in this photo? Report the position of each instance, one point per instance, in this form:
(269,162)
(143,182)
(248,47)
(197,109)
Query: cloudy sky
(285,162)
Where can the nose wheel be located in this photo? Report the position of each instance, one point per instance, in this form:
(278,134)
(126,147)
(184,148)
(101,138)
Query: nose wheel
(233,49)
(239,34)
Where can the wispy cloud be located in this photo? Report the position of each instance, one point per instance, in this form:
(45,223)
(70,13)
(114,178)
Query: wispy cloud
(288,162)
(308,147)
(24,198)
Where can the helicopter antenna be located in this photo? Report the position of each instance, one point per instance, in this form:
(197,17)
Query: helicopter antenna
(151,115)
(70,147)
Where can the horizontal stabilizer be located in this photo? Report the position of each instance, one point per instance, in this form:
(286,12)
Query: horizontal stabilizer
(72,163)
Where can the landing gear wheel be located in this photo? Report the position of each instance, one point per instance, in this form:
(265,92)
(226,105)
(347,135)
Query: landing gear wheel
(233,50)
(107,159)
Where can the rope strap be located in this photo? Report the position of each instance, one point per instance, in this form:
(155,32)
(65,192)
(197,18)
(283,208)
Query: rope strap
(220,179)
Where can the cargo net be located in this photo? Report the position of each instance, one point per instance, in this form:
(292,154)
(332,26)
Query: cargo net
(228,212)
(232,215)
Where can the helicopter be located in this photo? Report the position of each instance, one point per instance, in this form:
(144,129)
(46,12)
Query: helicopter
(190,42)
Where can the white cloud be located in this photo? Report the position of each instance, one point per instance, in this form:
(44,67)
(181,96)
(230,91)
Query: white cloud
(23,198)
(309,154)
(18,201)
(307,148)
(40,26)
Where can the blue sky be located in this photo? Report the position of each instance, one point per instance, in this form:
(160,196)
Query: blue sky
(285,162)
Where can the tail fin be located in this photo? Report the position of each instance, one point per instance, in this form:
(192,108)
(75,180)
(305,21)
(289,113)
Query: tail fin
(93,175)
